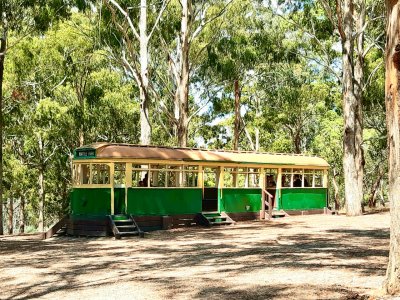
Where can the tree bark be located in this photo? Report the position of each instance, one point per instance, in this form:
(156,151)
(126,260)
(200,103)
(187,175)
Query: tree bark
(374,189)
(10,226)
(352,166)
(145,126)
(392,100)
(22,215)
(336,190)
(3,43)
(237,116)
(359,91)
(183,121)
(41,189)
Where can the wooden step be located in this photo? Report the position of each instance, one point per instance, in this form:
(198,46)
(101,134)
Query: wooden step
(221,223)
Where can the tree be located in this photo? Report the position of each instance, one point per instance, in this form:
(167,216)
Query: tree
(18,15)
(135,58)
(392,96)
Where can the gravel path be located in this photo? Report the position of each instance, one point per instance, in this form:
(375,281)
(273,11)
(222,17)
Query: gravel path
(309,257)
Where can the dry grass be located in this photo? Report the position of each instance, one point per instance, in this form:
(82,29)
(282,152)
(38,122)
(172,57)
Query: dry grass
(310,257)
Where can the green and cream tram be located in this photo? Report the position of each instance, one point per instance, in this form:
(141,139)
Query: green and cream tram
(152,183)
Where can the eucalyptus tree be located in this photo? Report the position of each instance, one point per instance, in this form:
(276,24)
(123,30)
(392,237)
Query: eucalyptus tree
(184,39)
(392,87)
(131,21)
(23,17)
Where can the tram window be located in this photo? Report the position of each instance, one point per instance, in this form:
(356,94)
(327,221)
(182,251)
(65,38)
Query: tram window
(308,178)
(76,174)
(119,173)
(318,178)
(100,174)
(210,177)
(271,177)
(139,175)
(245,177)
(254,177)
(85,173)
(229,177)
(287,178)
(191,176)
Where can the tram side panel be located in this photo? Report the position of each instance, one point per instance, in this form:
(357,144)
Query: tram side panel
(164,201)
(302,198)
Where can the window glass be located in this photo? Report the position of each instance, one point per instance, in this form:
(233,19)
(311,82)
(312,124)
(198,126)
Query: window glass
(76,174)
(229,177)
(254,177)
(286,177)
(210,177)
(318,178)
(191,176)
(140,175)
(85,168)
(308,180)
(119,173)
(271,177)
(100,174)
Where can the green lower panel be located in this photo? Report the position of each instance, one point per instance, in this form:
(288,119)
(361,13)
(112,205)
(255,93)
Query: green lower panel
(91,202)
(164,201)
(240,200)
(302,198)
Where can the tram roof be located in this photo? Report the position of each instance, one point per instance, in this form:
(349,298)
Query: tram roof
(129,151)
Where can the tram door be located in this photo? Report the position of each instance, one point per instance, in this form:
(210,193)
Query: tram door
(119,188)
(271,177)
(210,189)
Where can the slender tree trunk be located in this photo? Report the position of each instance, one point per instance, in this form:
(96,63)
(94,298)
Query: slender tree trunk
(22,215)
(145,126)
(237,117)
(41,199)
(351,163)
(10,215)
(374,190)
(183,86)
(81,136)
(392,95)
(336,191)
(41,189)
(3,43)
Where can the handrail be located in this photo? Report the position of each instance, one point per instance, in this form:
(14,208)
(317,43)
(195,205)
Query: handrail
(269,196)
(267,193)
(56,227)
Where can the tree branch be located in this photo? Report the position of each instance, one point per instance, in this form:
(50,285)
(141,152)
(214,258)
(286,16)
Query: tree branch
(126,15)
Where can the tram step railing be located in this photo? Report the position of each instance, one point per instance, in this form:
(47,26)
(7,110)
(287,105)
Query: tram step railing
(124,225)
(213,219)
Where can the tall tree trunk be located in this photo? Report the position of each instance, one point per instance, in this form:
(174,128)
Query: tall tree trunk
(41,188)
(145,126)
(237,117)
(3,43)
(336,191)
(358,92)
(351,163)
(184,74)
(22,215)
(374,189)
(392,99)
(10,215)
(41,199)
(81,135)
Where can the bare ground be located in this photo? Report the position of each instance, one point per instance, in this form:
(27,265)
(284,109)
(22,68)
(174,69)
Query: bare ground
(310,257)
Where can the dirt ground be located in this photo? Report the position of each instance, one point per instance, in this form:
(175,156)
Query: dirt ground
(305,257)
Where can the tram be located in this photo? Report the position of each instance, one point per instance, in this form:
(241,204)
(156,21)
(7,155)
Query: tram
(153,183)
